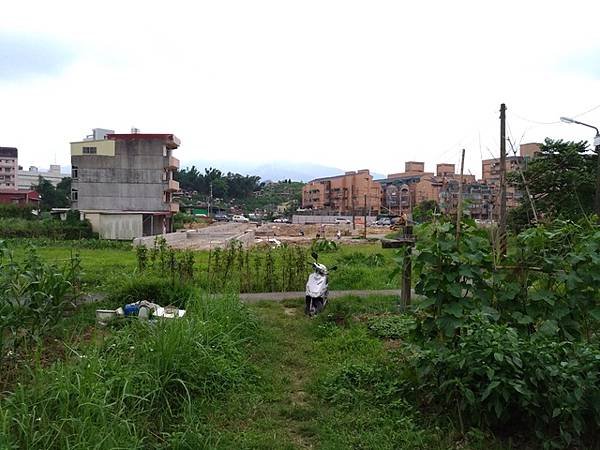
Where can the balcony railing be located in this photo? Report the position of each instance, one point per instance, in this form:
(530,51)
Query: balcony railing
(172,186)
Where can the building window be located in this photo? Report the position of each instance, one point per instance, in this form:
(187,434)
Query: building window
(74,172)
(89,150)
(74,195)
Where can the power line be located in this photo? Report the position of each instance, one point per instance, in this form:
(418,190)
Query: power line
(537,122)
(588,111)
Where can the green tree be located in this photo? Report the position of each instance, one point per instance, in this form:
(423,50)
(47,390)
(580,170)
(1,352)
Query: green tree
(423,212)
(561,180)
(51,197)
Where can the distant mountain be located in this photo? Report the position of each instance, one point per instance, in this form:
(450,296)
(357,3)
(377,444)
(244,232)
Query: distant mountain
(274,171)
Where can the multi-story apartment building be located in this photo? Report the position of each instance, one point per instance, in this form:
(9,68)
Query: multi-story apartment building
(123,183)
(28,178)
(8,168)
(477,198)
(343,194)
(490,170)
(402,191)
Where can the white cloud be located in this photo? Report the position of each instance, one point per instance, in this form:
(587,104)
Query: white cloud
(346,83)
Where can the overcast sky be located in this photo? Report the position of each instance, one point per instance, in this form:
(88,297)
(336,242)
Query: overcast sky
(348,84)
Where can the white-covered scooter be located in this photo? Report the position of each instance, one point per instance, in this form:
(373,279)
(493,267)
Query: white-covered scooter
(317,288)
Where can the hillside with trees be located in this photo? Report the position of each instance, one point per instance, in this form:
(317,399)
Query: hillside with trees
(245,192)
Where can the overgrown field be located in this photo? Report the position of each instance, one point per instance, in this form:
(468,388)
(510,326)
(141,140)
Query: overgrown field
(499,352)
(105,263)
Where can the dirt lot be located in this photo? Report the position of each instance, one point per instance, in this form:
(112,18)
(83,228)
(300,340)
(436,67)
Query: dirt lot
(297,233)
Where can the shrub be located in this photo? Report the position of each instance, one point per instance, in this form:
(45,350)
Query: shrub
(47,228)
(9,211)
(498,379)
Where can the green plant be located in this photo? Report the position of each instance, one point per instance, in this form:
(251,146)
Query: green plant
(323,246)
(498,379)
(391,326)
(33,296)
(453,275)
(141,253)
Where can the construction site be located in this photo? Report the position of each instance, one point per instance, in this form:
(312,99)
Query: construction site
(220,235)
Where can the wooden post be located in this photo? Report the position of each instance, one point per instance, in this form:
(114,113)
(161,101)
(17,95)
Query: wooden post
(460,196)
(406,279)
(502,224)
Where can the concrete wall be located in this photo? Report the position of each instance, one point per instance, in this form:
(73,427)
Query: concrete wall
(116,226)
(134,179)
(328,219)
(205,238)
(104,147)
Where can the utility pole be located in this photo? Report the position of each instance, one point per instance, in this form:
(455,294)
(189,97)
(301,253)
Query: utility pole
(353,210)
(365,215)
(209,200)
(502,224)
(460,196)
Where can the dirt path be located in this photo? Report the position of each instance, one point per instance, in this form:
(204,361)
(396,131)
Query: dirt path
(291,369)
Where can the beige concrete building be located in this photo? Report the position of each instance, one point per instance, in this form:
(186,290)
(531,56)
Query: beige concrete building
(123,183)
(530,150)
(402,191)
(8,168)
(343,194)
(490,169)
(28,178)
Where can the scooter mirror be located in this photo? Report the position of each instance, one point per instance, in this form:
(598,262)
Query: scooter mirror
(315,256)
(333,268)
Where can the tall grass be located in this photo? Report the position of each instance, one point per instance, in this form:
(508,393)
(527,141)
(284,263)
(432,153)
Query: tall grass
(139,387)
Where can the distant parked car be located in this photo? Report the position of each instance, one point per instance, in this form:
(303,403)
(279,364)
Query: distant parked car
(237,218)
(278,220)
(342,220)
(383,222)
(221,218)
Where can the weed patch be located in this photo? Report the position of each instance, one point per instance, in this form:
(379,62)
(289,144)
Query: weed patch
(136,388)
